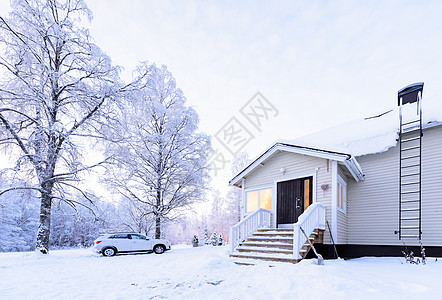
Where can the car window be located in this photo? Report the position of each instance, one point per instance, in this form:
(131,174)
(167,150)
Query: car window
(138,236)
(119,236)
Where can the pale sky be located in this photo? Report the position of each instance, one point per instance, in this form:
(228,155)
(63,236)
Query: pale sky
(319,63)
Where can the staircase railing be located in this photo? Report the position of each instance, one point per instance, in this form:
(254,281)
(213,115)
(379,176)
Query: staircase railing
(247,226)
(312,218)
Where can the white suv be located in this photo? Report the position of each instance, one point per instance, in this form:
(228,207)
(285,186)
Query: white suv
(125,242)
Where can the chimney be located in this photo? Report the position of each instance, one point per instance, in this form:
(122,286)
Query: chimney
(410,93)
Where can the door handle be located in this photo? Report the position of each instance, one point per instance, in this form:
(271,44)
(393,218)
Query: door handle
(298,203)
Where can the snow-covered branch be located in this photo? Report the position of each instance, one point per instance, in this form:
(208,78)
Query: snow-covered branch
(15,188)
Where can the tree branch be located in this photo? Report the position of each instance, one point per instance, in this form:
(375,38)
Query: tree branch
(17,138)
(20,188)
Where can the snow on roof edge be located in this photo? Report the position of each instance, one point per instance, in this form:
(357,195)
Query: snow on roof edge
(373,134)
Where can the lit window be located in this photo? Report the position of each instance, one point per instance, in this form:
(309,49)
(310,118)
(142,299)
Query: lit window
(265,199)
(259,199)
(252,201)
(342,195)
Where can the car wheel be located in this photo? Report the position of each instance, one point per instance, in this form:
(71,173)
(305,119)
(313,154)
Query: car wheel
(109,252)
(159,249)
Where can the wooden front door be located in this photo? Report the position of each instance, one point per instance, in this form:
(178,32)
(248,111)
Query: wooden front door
(293,197)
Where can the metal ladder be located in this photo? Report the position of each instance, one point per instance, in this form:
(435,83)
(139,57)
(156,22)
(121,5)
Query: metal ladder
(410,163)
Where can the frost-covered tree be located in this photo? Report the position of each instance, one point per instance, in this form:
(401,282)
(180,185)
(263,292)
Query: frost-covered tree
(234,195)
(55,88)
(132,216)
(206,236)
(218,217)
(80,227)
(18,219)
(214,239)
(162,162)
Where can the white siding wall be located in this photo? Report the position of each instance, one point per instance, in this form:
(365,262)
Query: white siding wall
(295,165)
(373,204)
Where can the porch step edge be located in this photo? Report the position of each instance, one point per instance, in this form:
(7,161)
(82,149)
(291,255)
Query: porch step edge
(275,229)
(271,238)
(273,233)
(267,257)
(264,249)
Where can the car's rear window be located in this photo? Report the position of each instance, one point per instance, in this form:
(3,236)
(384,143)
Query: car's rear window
(138,237)
(119,236)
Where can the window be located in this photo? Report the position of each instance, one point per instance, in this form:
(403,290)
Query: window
(342,195)
(259,199)
(138,237)
(119,236)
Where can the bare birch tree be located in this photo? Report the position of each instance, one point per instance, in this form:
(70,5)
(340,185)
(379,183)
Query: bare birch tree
(162,163)
(55,88)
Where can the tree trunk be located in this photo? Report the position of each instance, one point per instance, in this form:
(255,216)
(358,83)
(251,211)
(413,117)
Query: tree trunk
(157,227)
(44,228)
(157,216)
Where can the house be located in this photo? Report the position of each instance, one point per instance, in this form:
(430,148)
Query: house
(365,188)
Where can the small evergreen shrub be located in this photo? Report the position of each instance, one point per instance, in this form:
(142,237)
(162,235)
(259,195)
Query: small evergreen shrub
(220,240)
(195,241)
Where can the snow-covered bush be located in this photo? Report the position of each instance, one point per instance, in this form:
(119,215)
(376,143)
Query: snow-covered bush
(195,241)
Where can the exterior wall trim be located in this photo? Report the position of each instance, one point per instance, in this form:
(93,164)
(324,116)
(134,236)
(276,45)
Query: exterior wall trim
(342,182)
(334,198)
(243,197)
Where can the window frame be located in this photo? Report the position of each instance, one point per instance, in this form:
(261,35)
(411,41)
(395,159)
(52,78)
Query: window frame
(341,183)
(257,189)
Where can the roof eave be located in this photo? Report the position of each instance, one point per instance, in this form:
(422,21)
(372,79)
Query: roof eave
(353,167)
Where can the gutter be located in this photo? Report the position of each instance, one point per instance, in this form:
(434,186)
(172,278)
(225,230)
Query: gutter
(354,168)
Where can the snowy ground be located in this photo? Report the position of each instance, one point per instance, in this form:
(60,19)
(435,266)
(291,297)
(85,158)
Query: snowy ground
(208,273)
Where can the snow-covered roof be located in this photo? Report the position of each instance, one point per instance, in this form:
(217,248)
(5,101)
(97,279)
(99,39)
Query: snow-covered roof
(370,135)
(373,134)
